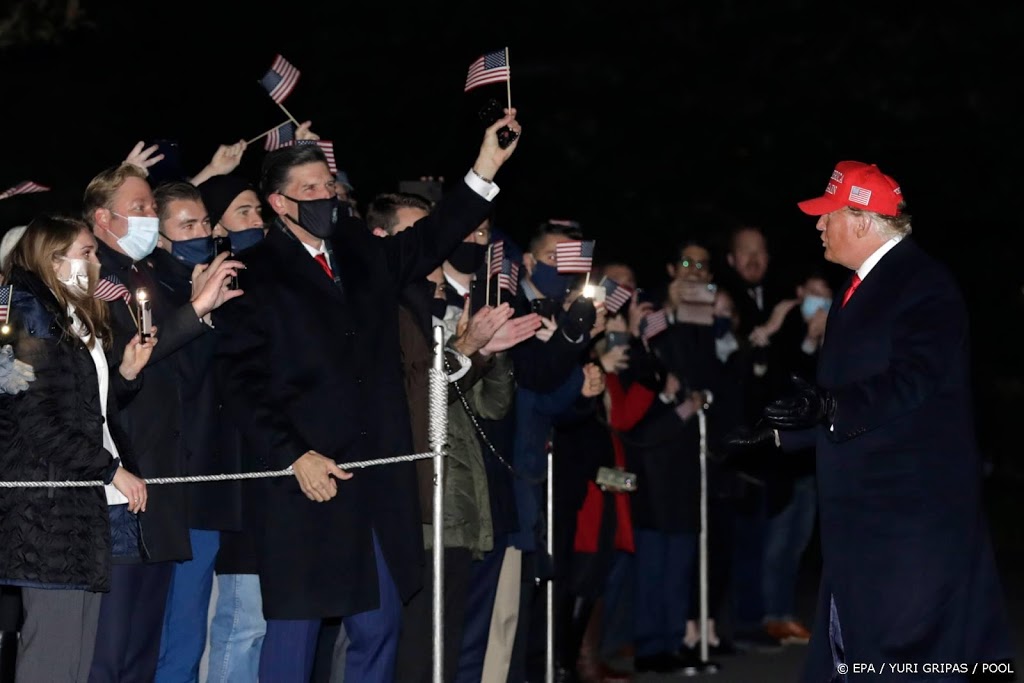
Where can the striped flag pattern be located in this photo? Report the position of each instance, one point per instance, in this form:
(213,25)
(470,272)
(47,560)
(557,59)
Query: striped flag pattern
(110,288)
(280,136)
(653,324)
(280,79)
(496,257)
(489,68)
(6,295)
(615,295)
(26,187)
(574,256)
(508,276)
(326,146)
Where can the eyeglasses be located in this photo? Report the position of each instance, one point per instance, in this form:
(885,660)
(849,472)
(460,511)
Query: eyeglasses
(690,263)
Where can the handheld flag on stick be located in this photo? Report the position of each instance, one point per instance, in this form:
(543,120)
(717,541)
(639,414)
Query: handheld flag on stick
(653,324)
(110,288)
(495,257)
(6,295)
(26,187)
(616,295)
(508,277)
(280,79)
(489,68)
(574,256)
(278,137)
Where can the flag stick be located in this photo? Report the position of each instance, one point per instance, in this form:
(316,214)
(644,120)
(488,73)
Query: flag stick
(289,115)
(264,134)
(487,291)
(286,112)
(508,81)
(499,291)
(134,319)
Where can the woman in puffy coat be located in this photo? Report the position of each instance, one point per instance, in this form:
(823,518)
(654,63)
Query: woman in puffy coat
(56,543)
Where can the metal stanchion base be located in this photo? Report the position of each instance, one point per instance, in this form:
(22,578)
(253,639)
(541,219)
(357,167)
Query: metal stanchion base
(708,667)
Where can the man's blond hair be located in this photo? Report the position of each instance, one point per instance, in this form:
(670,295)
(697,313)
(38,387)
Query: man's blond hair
(100,192)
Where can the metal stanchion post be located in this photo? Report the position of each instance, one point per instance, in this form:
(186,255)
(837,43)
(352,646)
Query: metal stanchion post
(438,435)
(549,601)
(702,423)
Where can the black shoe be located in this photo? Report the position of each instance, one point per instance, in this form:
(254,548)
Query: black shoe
(665,663)
(724,648)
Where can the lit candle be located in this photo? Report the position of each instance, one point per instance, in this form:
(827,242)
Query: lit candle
(588,292)
(145,313)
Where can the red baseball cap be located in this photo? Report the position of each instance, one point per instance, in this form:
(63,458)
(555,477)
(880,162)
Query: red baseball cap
(859,185)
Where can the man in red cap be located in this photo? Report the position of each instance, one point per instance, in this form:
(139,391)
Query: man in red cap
(908,577)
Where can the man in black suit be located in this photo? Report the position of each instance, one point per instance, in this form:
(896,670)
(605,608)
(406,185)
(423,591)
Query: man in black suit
(908,573)
(310,365)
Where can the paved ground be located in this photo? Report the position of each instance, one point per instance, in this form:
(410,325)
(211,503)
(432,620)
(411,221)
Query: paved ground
(1006,512)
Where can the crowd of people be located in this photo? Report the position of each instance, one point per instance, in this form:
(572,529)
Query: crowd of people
(292,327)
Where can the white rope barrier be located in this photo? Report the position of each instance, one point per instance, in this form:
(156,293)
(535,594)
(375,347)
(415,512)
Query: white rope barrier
(288,472)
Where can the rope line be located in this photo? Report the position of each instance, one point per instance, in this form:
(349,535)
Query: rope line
(360,464)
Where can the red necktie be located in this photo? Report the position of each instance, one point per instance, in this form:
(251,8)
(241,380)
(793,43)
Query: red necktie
(321,258)
(851,289)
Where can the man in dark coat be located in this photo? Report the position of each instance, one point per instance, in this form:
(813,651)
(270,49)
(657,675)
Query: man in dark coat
(908,572)
(310,363)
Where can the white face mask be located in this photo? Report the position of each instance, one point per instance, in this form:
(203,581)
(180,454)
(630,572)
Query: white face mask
(77,281)
(140,240)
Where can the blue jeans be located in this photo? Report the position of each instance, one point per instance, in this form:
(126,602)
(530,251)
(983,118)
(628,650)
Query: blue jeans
(237,629)
(188,607)
(661,603)
(786,538)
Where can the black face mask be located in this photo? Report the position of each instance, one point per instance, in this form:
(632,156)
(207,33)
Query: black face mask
(468,257)
(318,217)
(438,308)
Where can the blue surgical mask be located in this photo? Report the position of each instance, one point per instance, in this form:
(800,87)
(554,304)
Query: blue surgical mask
(721,326)
(243,239)
(549,281)
(140,240)
(812,304)
(194,251)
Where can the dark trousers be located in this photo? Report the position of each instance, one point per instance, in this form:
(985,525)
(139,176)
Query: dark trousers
(527,663)
(131,622)
(664,564)
(415,644)
(476,628)
(290,645)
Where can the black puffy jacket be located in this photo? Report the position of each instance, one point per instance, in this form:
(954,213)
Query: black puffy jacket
(55,537)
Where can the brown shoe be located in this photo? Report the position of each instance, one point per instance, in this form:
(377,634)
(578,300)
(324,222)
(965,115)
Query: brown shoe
(787,632)
(799,635)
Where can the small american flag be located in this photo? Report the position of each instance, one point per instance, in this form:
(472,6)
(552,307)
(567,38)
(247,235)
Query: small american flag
(326,146)
(490,68)
(280,80)
(615,295)
(653,324)
(508,277)
(27,187)
(574,256)
(860,195)
(280,136)
(496,257)
(110,288)
(6,294)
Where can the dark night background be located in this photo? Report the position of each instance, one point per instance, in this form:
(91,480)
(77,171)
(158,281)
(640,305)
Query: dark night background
(644,121)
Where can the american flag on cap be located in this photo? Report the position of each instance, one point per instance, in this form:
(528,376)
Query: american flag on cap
(490,68)
(326,146)
(508,277)
(280,136)
(615,295)
(496,257)
(26,187)
(574,256)
(110,288)
(6,295)
(653,324)
(280,79)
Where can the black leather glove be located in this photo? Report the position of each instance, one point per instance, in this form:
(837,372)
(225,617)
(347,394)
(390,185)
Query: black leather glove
(810,405)
(579,319)
(745,439)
